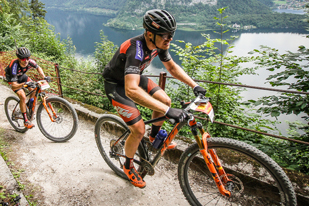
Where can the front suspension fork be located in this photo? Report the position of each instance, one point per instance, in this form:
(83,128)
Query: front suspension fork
(212,161)
(52,116)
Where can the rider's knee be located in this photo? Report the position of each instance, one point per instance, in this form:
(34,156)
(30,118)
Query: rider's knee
(138,131)
(22,97)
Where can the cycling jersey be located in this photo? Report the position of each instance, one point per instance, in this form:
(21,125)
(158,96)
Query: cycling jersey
(14,72)
(132,57)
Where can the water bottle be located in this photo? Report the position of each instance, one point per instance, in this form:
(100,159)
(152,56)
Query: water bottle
(160,137)
(30,104)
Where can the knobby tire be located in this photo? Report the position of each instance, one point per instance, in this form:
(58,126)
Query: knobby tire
(257,179)
(66,124)
(16,119)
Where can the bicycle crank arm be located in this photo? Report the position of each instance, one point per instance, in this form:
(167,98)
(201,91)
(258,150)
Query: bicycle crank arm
(146,166)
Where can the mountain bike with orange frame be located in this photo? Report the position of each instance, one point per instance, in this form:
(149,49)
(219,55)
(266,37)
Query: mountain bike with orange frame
(211,171)
(56,118)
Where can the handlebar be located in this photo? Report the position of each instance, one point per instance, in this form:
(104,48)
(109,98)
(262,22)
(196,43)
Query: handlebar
(192,105)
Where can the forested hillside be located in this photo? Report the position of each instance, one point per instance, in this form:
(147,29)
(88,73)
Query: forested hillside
(190,14)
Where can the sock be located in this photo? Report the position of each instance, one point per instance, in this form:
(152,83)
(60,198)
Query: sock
(128,163)
(25,117)
(154,130)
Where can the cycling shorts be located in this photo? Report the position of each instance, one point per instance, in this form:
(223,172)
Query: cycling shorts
(20,79)
(125,107)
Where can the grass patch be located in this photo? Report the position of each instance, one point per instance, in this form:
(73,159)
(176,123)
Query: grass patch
(10,153)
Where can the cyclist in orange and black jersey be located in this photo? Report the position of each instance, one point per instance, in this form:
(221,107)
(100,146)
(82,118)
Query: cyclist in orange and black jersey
(125,85)
(133,57)
(15,74)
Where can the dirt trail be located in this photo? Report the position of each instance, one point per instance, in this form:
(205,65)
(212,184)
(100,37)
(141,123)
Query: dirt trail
(74,173)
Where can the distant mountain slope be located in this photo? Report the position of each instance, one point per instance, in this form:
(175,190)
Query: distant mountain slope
(190,14)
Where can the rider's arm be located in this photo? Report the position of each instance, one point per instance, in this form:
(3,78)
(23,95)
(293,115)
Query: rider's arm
(176,71)
(16,85)
(40,70)
(138,95)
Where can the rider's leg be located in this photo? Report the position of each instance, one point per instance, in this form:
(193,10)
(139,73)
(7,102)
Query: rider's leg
(128,111)
(161,96)
(136,135)
(131,145)
(22,104)
(22,97)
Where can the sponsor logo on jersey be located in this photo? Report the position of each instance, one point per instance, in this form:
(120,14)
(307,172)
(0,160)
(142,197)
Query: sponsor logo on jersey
(139,51)
(147,63)
(14,69)
(123,112)
(155,25)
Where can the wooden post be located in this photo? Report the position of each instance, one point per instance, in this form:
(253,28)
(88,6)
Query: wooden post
(58,80)
(162,80)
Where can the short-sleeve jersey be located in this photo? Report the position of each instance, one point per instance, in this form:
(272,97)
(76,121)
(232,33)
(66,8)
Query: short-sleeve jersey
(13,71)
(132,57)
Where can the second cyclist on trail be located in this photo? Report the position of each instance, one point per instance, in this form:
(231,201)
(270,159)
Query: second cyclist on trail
(125,85)
(15,74)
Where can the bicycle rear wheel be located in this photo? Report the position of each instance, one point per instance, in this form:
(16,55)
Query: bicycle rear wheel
(108,129)
(66,120)
(14,115)
(256,178)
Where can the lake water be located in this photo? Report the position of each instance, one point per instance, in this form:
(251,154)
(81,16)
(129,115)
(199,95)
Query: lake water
(84,29)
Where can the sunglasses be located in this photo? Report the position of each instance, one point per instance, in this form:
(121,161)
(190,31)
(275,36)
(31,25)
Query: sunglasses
(167,36)
(24,59)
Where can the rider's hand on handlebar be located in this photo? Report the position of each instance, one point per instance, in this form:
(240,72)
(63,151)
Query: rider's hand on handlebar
(47,78)
(30,84)
(177,114)
(199,90)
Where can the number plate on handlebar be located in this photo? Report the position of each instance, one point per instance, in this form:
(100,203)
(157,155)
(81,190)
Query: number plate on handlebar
(205,108)
(43,84)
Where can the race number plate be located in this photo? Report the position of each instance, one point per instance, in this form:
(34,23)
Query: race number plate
(44,84)
(207,109)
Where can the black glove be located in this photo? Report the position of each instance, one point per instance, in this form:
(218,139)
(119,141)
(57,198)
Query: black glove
(177,114)
(47,78)
(30,84)
(199,90)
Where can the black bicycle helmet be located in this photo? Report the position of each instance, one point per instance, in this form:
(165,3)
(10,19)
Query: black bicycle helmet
(159,21)
(23,52)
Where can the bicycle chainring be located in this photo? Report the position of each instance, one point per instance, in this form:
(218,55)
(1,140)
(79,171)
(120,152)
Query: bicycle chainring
(148,167)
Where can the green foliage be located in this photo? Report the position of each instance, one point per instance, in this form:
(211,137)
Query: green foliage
(291,71)
(289,66)
(34,33)
(90,80)
(37,9)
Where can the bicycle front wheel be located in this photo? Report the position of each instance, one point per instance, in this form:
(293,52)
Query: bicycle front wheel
(65,119)
(256,178)
(14,115)
(108,129)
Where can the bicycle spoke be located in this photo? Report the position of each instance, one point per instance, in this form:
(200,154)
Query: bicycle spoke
(111,133)
(59,121)
(13,114)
